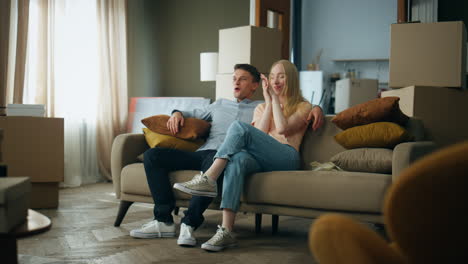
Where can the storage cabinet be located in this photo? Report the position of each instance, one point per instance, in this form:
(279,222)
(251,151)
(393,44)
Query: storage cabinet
(350,92)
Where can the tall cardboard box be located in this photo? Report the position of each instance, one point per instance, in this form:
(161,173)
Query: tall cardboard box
(259,46)
(225,88)
(350,92)
(34,147)
(442,110)
(428,54)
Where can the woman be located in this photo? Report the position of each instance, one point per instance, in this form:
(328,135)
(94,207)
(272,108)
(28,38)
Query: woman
(271,143)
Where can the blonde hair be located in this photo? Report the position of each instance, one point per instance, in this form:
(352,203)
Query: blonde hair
(291,91)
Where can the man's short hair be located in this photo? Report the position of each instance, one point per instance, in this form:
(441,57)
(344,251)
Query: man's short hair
(251,69)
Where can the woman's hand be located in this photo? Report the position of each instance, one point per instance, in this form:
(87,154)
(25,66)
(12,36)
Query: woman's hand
(265,86)
(274,97)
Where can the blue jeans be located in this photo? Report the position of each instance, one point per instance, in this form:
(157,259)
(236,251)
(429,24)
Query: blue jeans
(250,150)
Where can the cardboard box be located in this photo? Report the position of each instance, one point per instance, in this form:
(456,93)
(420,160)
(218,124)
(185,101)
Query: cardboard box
(428,54)
(225,89)
(14,202)
(442,110)
(259,46)
(350,92)
(34,147)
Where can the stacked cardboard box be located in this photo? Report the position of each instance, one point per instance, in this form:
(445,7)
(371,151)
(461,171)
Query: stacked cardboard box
(34,147)
(428,73)
(259,46)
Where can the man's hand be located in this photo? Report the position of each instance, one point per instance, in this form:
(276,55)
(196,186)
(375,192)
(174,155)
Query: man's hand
(176,120)
(316,114)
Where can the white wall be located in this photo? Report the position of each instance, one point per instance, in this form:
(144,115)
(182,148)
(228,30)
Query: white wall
(357,29)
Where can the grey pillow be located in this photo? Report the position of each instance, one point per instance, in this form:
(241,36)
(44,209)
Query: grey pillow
(377,160)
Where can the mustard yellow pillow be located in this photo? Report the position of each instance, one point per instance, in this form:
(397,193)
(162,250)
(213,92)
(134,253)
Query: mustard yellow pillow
(374,135)
(164,141)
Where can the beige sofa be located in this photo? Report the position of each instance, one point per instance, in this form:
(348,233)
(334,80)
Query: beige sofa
(303,193)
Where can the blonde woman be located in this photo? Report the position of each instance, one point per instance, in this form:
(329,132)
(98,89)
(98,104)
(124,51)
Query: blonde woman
(270,143)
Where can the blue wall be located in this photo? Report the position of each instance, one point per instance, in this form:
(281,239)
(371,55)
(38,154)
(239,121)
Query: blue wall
(357,29)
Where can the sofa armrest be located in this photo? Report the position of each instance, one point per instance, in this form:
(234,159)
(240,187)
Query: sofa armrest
(125,149)
(406,153)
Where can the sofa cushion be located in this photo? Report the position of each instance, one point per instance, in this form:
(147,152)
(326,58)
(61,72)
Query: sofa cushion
(133,180)
(375,135)
(376,110)
(346,191)
(378,160)
(164,141)
(193,128)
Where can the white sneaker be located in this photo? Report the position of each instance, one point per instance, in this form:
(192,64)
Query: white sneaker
(199,185)
(221,240)
(186,237)
(154,229)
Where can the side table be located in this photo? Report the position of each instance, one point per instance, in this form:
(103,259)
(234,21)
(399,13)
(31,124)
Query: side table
(36,223)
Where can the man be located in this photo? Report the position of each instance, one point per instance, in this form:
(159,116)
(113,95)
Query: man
(159,162)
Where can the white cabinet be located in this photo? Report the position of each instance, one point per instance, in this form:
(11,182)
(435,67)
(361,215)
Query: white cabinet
(311,83)
(350,92)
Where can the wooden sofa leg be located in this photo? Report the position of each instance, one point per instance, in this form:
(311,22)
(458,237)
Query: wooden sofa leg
(176,210)
(123,208)
(258,223)
(274,224)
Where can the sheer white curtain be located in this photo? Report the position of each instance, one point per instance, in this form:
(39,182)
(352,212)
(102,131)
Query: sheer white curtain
(64,72)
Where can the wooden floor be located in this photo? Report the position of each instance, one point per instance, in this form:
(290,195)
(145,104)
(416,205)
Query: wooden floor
(83,232)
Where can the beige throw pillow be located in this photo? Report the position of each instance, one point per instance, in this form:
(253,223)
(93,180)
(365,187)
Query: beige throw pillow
(376,160)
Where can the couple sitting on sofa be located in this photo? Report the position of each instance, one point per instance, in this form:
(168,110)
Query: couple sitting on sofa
(234,149)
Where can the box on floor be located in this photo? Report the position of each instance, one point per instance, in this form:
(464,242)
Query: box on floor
(34,147)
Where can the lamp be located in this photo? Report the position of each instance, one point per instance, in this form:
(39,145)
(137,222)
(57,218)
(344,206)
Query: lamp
(208,66)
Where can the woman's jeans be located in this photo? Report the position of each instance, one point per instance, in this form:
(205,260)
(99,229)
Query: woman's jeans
(250,150)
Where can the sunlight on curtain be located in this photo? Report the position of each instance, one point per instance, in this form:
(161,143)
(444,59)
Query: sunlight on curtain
(62,67)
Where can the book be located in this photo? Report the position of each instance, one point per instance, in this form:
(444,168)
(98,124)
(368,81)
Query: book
(22,106)
(25,112)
